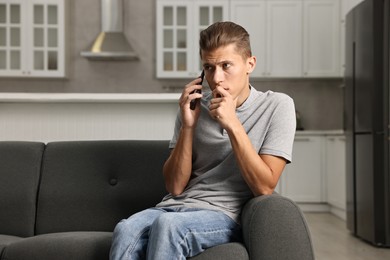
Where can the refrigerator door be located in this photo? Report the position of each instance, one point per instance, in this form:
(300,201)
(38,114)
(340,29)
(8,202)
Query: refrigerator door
(387,117)
(349,97)
(365,221)
(364,68)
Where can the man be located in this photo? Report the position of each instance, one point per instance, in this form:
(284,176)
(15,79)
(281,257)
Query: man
(233,146)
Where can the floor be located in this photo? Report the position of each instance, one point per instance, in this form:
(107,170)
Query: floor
(332,240)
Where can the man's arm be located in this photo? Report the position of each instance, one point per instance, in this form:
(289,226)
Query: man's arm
(178,167)
(261,172)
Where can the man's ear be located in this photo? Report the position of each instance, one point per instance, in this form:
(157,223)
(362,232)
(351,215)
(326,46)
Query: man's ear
(251,62)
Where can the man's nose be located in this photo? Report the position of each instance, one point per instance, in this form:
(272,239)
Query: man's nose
(218,75)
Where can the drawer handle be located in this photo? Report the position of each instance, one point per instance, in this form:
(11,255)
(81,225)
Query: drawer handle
(303,139)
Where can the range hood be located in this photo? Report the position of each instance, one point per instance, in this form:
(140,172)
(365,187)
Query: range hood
(111,43)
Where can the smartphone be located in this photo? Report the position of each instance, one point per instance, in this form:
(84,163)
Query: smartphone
(195,101)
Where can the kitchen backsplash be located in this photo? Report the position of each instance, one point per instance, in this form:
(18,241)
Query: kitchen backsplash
(318,101)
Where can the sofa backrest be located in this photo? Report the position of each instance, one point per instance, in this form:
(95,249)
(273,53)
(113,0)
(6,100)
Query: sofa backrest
(20,165)
(92,185)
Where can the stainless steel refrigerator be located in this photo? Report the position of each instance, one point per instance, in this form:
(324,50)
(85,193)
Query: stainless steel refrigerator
(366,121)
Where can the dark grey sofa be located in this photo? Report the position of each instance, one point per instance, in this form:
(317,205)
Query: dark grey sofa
(62,201)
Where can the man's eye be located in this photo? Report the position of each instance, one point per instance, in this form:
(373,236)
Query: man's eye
(226,65)
(207,67)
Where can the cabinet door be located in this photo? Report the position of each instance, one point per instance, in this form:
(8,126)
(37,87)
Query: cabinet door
(46,48)
(32,38)
(12,37)
(321,45)
(336,171)
(206,13)
(251,14)
(284,38)
(178,26)
(302,180)
(173,33)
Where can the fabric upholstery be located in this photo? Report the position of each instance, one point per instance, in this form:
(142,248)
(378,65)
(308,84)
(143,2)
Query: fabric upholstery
(7,240)
(62,246)
(230,251)
(20,166)
(92,185)
(86,187)
(275,228)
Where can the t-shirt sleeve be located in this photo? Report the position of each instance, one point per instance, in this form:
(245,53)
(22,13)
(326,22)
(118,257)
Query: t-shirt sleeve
(279,138)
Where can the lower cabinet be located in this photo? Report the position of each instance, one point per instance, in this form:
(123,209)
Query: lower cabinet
(336,174)
(316,175)
(303,179)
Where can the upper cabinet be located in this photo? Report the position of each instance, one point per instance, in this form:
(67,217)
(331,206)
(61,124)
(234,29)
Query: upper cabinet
(251,15)
(178,25)
(321,38)
(32,38)
(290,38)
(275,29)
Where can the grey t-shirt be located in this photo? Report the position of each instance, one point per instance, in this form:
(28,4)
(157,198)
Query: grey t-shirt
(216,182)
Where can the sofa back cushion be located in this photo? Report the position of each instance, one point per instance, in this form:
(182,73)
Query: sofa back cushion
(20,164)
(92,185)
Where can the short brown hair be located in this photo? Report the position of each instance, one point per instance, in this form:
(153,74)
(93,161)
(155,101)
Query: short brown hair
(221,34)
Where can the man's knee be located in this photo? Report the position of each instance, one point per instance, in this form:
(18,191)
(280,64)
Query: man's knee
(121,227)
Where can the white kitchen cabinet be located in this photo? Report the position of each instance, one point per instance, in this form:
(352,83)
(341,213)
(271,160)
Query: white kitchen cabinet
(179,23)
(292,38)
(275,29)
(251,14)
(335,171)
(303,179)
(32,38)
(321,38)
(316,178)
(284,38)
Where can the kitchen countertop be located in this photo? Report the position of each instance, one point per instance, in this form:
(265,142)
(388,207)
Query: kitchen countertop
(89,97)
(319,132)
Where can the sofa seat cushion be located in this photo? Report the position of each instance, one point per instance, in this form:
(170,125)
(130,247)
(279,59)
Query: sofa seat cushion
(61,246)
(6,240)
(229,251)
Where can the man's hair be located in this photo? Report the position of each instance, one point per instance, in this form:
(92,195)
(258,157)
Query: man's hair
(221,34)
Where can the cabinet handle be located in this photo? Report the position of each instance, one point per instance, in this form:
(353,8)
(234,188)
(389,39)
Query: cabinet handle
(303,139)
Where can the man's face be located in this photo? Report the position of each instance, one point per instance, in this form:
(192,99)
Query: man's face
(226,67)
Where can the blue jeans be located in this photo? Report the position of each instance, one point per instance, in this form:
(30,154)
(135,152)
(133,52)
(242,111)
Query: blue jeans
(171,233)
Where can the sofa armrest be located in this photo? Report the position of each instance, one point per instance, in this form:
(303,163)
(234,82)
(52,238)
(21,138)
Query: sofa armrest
(275,228)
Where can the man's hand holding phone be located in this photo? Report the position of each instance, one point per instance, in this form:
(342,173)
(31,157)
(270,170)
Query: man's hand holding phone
(189,100)
(195,101)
